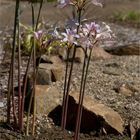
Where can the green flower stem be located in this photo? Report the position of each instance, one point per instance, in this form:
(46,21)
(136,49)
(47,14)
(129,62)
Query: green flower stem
(82,92)
(27,69)
(79,19)
(80,97)
(34,69)
(65,86)
(39,12)
(11,74)
(19,77)
(25,87)
(80,104)
(67,91)
(34,73)
(64,115)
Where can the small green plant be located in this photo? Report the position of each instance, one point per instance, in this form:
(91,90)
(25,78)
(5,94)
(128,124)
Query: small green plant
(131,16)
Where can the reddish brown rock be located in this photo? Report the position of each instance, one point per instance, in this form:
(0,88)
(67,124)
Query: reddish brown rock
(95,115)
(97,53)
(47,98)
(79,55)
(130,49)
(100,53)
(50,72)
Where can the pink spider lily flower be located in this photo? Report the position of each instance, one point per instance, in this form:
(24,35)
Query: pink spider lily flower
(70,36)
(91,33)
(91,29)
(54,33)
(97,3)
(85,42)
(38,34)
(88,34)
(105,33)
(63,3)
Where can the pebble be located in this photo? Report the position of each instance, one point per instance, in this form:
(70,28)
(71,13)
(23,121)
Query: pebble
(1,104)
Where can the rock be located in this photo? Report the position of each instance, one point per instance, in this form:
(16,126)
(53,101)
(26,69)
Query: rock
(138,134)
(95,115)
(44,77)
(57,73)
(112,71)
(79,55)
(51,59)
(126,89)
(131,130)
(97,53)
(1,104)
(55,59)
(47,98)
(62,52)
(100,53)
(129,49)
(114,65)
(50,72)
(43,59)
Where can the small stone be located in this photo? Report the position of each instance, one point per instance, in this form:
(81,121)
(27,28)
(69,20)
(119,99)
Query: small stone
(1,104)
(131,130)
(127,89)
(112,71)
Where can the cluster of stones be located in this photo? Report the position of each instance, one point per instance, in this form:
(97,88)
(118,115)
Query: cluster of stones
(95,114)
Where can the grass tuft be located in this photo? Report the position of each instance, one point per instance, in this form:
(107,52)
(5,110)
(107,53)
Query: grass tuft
(131,16)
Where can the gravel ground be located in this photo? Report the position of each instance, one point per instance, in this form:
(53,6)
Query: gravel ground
(103,76)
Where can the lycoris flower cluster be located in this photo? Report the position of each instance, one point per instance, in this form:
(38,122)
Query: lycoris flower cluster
(89,34)
(70,37)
